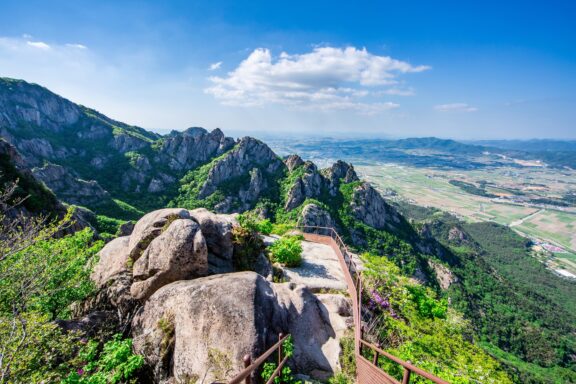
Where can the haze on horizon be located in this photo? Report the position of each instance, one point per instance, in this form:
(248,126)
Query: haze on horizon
(464,71)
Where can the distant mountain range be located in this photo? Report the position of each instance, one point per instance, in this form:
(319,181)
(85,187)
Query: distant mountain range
(435,152)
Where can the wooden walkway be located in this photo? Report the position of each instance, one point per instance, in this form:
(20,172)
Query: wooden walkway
(367,370)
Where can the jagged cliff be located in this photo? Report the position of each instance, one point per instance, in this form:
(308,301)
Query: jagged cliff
(120,171)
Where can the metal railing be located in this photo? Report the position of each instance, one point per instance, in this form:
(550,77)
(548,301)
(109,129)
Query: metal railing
(251,367)
(367,372)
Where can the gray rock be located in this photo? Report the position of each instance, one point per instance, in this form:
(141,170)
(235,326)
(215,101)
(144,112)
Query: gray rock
(178,253)
(340,171)
(151,226)
(248,154)
(292,162)
(206,326)
(296,195)
(192,323)
(369,206)
(125,143)
(217,230)
(69,187)
(193,147)
(113,260)
(314,216)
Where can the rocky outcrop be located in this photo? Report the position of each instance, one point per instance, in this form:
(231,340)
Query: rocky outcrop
(340,171)
(192,325)
(369,206)
(69,187)
(444,276)
(314,216)
(309,185)
(315,183)
(248,154)
(217,230)
(193,147)
(457,236)
(32,104)
(178,253)
(292,162)
(124,143)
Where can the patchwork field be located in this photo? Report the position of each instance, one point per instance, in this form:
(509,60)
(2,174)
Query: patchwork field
(431,187)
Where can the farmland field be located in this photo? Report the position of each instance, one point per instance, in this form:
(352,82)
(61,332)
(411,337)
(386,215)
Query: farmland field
(430,187)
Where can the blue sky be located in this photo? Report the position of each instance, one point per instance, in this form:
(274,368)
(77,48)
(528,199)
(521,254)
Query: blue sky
(466,70)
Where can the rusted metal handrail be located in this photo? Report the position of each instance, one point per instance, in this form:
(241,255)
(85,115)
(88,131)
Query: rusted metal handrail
(408,367)
(354,282)
(245,374)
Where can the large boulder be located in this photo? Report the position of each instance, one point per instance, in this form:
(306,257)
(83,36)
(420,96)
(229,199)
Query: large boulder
(204,327)
(217,230)
(113,260)
(178,253)
(164,246)
(199,330)
(151,226)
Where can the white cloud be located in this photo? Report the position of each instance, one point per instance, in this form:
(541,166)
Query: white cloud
(455,107)
(325,79)
(215,66)
(38,44)
(78,46)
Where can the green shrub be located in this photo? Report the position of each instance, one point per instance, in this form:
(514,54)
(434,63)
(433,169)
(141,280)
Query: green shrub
(287,250)
(285,375)
(250,221)
(60,269)
(247,246)
(264,227)
(116,363)
(105,224)
(282,228)
(426,304)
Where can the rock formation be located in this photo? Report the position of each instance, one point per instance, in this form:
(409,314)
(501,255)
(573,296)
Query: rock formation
(195,327)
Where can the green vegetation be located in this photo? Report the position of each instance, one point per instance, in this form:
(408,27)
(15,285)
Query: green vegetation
(413,324)
(115,363)
(33,195)
(59,270)
(287,250)
(471,188)
(285,375)
(41,277)
(247,243)
(106,225)
(517,307)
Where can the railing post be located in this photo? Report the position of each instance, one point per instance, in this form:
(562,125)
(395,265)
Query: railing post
(280,336)
(247,362)
(406,377)
(375,360)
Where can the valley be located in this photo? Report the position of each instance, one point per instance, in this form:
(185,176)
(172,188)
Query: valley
(528,196)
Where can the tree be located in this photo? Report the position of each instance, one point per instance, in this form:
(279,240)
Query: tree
(41,273)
